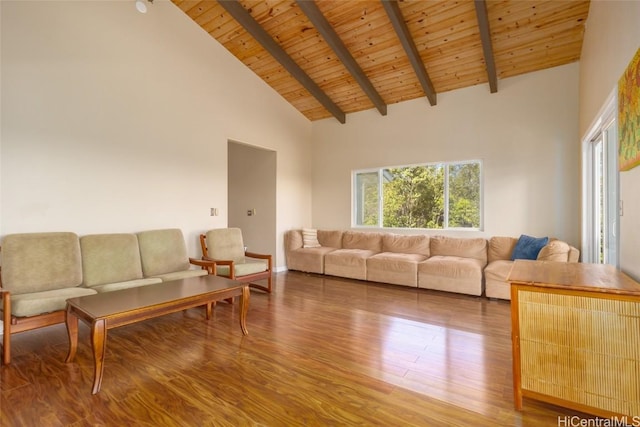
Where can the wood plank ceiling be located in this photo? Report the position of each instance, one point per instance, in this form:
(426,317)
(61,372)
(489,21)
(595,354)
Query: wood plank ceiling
(457,44)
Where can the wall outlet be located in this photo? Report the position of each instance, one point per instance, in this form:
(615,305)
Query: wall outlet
(214,211)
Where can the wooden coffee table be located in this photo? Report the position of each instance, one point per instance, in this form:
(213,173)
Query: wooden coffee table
(118,308)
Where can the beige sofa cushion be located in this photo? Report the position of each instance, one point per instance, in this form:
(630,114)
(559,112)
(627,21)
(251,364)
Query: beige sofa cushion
(110,258)
(394,268)
(498,270)
(38,262)
(555,250)
(34,303)
(184,274)
(501,248)
(351,263)
(225,244)
(330,238)
(162,252)
(495,275)
(243,268)
(116,286)
(451,274)
(475,248)
(369,241)
(418,244)
(574,254)
(351,260)
(310,260)
(292,240)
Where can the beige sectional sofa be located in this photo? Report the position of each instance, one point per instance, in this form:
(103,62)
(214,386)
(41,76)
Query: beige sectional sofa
(461,265)
(40,271)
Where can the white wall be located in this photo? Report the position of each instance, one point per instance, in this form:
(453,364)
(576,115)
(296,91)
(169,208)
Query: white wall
(611,39)
(526,135)
(115,121)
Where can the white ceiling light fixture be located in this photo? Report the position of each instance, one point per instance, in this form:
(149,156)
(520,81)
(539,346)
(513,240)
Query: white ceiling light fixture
(141,5)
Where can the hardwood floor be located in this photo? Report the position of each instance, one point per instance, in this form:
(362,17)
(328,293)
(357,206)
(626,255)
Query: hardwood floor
(321,351)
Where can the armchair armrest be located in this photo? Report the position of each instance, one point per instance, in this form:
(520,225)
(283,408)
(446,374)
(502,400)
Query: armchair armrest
(208,265)
(255,255)
(219,261)
(260,256)
(230,263)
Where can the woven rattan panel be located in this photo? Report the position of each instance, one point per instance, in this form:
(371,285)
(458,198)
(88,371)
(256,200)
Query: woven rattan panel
(581,349)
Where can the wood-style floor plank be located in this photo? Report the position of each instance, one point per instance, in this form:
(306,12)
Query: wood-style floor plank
(321,351)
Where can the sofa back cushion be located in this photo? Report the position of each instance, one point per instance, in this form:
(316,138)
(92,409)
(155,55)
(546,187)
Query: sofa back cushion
(475,248)
(555,250)
(574,254)
(501,248)
(330,238)
(225,244)
(36,262)
(362,240)
(162,251)
(402,244)
(110,258)
(292,240)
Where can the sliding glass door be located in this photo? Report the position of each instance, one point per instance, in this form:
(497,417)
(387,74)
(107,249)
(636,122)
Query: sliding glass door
(601,204)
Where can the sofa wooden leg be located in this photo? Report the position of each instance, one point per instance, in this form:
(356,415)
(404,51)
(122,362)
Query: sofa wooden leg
(6,328)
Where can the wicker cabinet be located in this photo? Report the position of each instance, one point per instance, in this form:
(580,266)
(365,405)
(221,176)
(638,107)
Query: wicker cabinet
(576,337)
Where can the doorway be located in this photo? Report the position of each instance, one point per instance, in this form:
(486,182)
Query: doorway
(251,194)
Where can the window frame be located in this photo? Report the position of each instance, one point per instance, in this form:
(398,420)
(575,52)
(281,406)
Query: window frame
(380,173)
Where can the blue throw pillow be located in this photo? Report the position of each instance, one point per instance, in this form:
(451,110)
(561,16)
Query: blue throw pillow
(528,247)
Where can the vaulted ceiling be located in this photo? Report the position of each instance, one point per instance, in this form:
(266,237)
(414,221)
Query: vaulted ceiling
(334,57)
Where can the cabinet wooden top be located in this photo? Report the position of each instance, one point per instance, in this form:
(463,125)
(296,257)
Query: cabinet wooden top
(573,276)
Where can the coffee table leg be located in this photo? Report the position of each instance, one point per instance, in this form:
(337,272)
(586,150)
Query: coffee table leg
(99,344)
(244,307)
(209,310)
(72,330)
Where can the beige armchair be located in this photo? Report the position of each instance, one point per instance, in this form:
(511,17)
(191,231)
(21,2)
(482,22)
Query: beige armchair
(226,247)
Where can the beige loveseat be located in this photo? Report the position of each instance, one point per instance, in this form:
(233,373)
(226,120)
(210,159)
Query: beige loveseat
(499,255)
(40,271)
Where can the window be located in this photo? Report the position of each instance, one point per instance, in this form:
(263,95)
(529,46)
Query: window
(436,196)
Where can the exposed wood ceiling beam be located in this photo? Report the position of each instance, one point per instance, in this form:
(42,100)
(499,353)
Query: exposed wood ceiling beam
(487,48)
(396,18)
(333,40)
(245,19)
